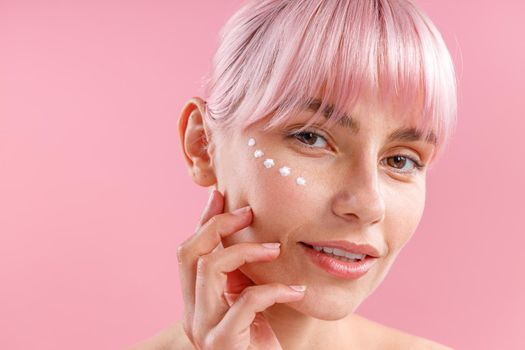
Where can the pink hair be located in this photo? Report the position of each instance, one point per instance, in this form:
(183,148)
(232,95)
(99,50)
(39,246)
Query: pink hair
(275,55)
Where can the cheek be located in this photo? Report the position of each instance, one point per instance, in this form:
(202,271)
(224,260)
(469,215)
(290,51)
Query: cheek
(279,188)
(404,214)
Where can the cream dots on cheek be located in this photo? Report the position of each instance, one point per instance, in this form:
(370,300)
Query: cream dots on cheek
(270,163)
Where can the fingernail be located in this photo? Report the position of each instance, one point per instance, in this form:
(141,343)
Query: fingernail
(298,288)
(271,245)
(241,211)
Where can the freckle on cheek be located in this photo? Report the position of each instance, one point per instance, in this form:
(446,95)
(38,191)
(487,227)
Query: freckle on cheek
(269,163)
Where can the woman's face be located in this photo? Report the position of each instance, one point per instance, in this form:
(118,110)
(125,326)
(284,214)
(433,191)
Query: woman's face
(355,189)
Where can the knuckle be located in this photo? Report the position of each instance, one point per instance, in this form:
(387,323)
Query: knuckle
(198,338)
(215,340)
(279,288)
(188,330)
(181,252)
(250,296)
(203,263)
(246,247)
(209,342)
(213,221)
(199,344)
(221,223)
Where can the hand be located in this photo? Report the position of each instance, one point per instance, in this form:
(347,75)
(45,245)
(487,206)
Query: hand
(215,320)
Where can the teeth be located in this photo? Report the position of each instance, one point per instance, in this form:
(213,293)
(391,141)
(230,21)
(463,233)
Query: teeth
(340,253)
(328,250)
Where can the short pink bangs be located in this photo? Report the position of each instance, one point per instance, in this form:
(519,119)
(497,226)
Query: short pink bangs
(274,56)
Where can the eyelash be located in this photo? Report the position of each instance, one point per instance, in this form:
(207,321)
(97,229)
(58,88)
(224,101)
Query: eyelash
(417,165)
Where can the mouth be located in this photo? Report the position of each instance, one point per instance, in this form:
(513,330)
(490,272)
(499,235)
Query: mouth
(343,250)
(344,267)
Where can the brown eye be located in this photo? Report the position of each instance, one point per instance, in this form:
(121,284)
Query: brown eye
(308,136)
(400,161)
(309,139)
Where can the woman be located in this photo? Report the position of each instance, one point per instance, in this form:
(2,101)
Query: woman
(320,124)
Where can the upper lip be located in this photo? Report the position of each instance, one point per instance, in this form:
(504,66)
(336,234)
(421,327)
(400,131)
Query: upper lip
(349,247)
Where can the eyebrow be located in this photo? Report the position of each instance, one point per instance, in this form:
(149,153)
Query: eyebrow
(401,134)
(346,121)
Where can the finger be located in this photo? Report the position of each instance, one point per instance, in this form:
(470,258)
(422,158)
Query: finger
(213,230)
(214,206)
(252,300)
(205,240)
(211,278)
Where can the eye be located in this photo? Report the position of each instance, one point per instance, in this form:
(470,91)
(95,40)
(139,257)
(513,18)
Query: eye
(309,139)
(400,161)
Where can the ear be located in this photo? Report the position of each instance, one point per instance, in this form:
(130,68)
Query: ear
(196,141)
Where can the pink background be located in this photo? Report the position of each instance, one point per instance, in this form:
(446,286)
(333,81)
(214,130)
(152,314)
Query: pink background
(93,188)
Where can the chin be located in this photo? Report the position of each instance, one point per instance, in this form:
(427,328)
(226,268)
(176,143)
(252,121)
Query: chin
(327,308)
(323,300)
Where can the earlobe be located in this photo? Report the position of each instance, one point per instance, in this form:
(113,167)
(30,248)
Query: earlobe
(196,142)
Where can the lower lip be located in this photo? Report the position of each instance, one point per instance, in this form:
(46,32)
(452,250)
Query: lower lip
(339,268)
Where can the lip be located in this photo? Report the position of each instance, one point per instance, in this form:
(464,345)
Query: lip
(342,269)
(349,247)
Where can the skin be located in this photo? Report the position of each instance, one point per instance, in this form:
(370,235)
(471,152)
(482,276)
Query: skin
(354,191)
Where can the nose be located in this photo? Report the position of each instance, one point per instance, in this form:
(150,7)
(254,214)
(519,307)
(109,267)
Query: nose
(360,198)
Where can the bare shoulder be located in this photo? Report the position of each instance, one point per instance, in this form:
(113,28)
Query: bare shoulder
(384,337)
(171,338)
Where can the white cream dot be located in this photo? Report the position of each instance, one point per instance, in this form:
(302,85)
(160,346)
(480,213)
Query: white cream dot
(285,171)
(251,141)
(300,181)
(269,163)
(258,153)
